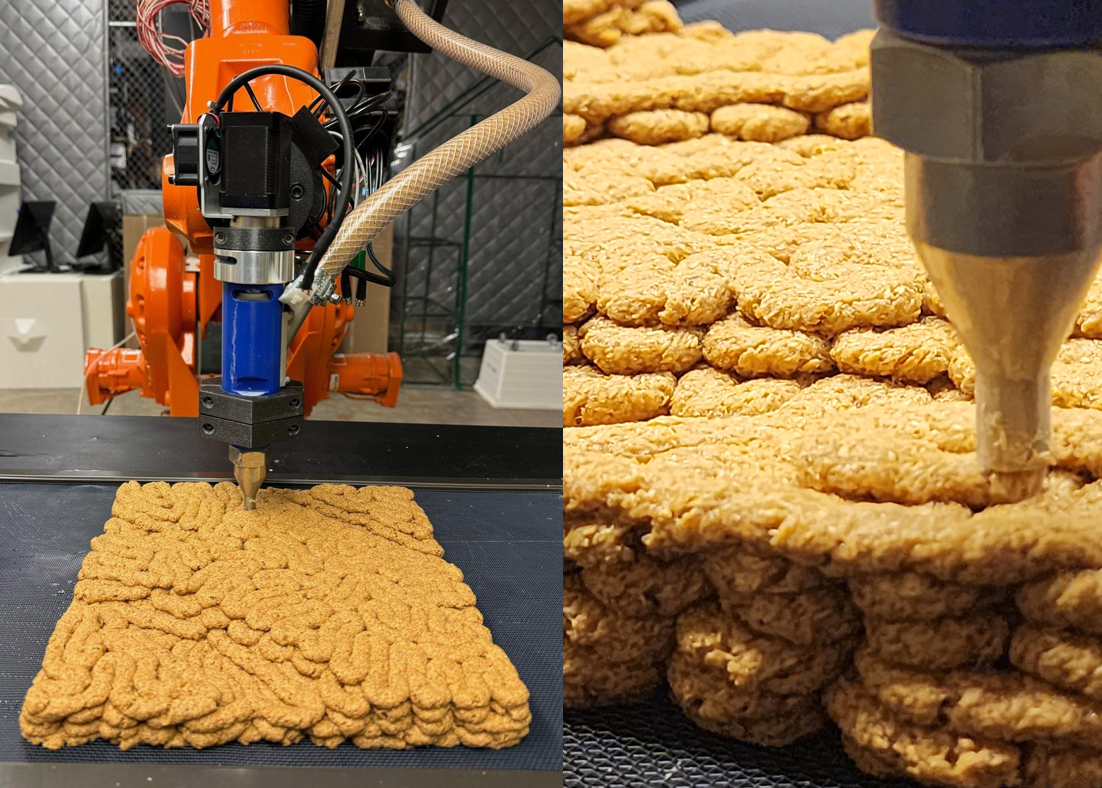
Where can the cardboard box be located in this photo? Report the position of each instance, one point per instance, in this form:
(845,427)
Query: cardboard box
(133,225)
(368,333)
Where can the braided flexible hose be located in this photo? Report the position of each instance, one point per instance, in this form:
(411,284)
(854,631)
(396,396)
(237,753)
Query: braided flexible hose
(457,154)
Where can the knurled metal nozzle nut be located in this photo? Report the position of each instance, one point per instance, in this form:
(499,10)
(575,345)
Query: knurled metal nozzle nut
(986,106)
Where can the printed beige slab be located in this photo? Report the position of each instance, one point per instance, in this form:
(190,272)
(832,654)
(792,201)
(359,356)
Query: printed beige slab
(705,67)
(917,353)
(327,613)
(619,350)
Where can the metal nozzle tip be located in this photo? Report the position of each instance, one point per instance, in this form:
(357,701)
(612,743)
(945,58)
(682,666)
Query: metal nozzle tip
(1014,487)
(249,469)
(1013,424)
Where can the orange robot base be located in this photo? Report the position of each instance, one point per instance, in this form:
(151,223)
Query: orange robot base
(170,308)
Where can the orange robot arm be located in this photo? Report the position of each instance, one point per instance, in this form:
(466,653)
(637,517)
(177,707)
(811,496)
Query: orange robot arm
(170,307)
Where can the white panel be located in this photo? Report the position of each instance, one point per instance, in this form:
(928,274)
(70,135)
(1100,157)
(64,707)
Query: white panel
(41,331)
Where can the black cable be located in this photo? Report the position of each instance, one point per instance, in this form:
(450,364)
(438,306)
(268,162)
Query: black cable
(375,261)
(105,407)
(362,108)
(318,105)
(349,150)
(249,90)
(387,280)
(360,90)
(346,284)
(363,105)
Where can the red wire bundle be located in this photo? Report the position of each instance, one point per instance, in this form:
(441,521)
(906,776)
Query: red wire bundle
(166,49)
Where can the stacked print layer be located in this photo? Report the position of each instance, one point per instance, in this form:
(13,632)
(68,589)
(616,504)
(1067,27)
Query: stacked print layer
(843,558)
(602,23)
(717,277)
(327,613)
(672,86)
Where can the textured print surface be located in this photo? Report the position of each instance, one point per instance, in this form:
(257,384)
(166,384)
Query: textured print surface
(767,273)
(326,614)
(501,541)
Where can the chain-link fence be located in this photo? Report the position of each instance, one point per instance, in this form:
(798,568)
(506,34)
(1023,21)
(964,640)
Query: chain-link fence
(143,98)
(482,256)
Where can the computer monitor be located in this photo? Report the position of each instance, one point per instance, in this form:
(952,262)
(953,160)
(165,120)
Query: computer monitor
(101,229)
(32,234)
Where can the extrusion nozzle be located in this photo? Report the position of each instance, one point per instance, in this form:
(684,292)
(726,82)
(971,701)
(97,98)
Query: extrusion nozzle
(1003,196)
(249,468)
(1012,313)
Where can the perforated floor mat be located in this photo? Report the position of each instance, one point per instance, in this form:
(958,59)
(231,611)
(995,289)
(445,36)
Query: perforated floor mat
(649,744)
(508,545)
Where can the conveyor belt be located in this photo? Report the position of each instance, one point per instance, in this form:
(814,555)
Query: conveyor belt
(508,545)
(642,745)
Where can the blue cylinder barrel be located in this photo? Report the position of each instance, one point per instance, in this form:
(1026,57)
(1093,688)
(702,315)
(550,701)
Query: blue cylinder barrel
(252,339)
(1000,24)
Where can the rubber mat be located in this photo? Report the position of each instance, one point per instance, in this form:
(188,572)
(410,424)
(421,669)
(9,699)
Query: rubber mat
(508,544)
(647,744)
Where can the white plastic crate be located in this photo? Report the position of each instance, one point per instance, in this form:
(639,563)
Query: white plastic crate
(521,374)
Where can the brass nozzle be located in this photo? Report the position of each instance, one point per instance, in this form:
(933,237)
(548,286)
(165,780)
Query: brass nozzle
(1011,313)
(249,468)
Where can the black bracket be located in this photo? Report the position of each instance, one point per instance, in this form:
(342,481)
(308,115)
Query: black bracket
(250,422)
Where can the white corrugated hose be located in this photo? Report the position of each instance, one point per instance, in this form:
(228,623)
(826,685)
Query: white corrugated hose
(458,154)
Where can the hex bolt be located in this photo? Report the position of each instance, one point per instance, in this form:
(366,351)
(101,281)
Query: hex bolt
(289,238)
(208,402)
(208,429)
(219,238)
(297,191)
(293,429)
(295,403)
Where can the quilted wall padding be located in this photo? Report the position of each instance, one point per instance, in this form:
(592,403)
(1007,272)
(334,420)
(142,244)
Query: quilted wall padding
(54,53)
(517,28)
(515,223)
